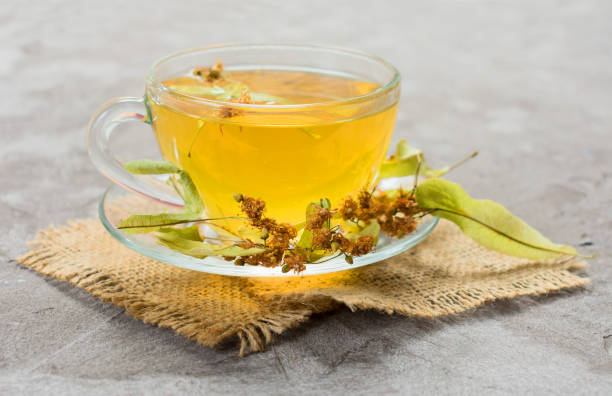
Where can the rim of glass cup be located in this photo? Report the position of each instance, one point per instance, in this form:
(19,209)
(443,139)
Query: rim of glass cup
(152,82)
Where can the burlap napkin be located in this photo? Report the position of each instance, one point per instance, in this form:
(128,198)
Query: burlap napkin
(445,274)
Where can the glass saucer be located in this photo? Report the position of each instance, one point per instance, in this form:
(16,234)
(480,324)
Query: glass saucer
(117,204)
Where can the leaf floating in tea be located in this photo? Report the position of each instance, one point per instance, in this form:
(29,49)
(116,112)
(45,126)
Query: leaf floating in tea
(262,98)
(225,93)
(214,83)
(310,133)
(487,222)
(231,92)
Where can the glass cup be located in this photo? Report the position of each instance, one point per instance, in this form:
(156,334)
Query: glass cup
(286,154)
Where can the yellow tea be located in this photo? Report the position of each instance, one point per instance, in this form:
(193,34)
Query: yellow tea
(266,149)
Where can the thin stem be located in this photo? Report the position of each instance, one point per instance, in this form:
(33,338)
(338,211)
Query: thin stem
(300,225)
(420,216)
(331,258)
(195,138)
(416,175)
(226,230)
(224,239)
(178,191)
(463,161)
(374,187)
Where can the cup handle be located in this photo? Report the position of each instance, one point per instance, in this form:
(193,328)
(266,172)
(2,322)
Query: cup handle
(100,130)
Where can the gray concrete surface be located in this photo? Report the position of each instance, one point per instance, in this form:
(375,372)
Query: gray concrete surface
(529,83)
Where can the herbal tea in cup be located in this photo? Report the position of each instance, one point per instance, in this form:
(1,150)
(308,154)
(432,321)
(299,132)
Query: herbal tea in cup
(288,124)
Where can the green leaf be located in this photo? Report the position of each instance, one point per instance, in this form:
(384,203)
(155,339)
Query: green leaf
(354,231)
(150,167)
(236,251)
(300,225)
(149,118)
(404,150)
(153,222)
(231,91)
(305,241)
(191,233)
(140,223)
(172,183)
(304,244)
(193,202)
(202,249)
(317,254)
(325,203)
(487,222)
(406,161)
(185,240)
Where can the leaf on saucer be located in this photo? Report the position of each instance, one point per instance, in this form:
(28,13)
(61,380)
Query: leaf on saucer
(354,231)
(305,241)
(141,223)
(487,222)
(406,161)
(191,233)
(325,203)
(188,241)
(201,249)
(317,254)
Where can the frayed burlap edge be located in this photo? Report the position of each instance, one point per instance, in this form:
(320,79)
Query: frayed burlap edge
(83,254)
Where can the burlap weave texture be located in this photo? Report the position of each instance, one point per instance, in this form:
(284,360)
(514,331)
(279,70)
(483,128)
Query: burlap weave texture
(445,274)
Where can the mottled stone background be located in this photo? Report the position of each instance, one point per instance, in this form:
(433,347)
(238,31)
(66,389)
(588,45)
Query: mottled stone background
(529,83)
